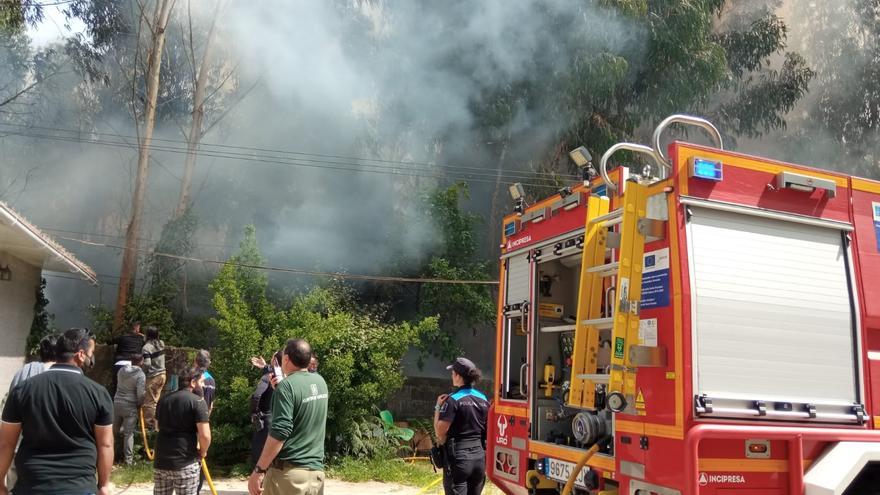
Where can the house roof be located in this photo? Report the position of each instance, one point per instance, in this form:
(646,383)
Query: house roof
(23,240)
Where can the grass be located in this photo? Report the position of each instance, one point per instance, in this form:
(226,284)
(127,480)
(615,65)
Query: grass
(387,470)
(139,472)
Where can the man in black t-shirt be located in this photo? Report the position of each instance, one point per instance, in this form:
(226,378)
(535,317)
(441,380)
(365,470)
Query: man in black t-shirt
(66,426)
(128,344)
(184,437)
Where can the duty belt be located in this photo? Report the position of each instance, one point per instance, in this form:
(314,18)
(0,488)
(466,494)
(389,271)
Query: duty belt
(465,443)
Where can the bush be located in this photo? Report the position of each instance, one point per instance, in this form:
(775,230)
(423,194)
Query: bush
(360,358)
(230,444)
(360,354)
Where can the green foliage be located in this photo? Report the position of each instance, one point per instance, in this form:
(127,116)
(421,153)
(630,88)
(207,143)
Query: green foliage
(360,360)
(43,322)
(462,305)
(384,469)
(365,438)
(239,338)
(360,352)
(176,239)
(230,443)
(147,309)
(392,430)
(678,56)
(839,124)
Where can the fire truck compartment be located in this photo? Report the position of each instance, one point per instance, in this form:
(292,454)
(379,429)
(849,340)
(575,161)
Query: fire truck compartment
(773,312)
(556,301)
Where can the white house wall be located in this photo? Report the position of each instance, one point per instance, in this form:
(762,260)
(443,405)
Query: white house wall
(17,298)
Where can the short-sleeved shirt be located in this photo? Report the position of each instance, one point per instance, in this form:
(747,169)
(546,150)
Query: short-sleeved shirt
(299,419)
(467,411)
(128,345)
(29,370)
(177,414)
(210,388)
(58,411)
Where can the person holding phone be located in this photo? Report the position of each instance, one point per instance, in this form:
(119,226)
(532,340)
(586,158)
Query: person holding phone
(261,402)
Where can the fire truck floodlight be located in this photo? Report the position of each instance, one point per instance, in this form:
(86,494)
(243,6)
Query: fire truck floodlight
(580,156)
(516,191)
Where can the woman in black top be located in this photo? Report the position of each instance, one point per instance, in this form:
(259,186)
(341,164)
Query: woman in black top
(460,424)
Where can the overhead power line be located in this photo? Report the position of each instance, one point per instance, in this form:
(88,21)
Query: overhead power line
(297,271)
(301,159)
(293,152)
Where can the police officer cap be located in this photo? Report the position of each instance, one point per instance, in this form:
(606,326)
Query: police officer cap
(463,366)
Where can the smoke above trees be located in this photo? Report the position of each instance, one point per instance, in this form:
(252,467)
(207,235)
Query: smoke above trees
(325,124)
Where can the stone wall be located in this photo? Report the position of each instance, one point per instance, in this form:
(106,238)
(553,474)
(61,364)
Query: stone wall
(419,394)
(176,359)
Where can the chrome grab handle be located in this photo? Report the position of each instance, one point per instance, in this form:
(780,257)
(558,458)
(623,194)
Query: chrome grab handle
(639,148)
(522,378)
(683,119)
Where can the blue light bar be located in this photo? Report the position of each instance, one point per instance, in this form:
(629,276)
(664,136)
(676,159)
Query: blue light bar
(706,169)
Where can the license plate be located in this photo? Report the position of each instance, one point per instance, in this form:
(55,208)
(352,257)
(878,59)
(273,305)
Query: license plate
(561,470)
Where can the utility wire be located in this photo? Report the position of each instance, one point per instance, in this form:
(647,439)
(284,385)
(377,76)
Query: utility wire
(347,276)
(245,152)
(324,165)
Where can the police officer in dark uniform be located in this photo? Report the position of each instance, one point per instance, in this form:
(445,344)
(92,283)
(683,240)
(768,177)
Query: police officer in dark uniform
(460,424)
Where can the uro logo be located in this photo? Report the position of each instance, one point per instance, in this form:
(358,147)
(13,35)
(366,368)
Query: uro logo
(502,425)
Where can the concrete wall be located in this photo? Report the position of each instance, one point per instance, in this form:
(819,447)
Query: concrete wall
(17,298)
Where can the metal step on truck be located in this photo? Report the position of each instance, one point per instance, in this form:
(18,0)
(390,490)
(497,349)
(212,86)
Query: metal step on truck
(711,326)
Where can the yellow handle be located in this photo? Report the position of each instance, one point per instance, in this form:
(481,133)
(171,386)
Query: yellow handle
(430,485)
(580,465)
(208,476)
(144,433)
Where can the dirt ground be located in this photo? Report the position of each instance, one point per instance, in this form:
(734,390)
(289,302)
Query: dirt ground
(331,487)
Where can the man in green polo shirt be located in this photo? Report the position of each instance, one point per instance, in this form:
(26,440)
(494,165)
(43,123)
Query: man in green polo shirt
(292,462)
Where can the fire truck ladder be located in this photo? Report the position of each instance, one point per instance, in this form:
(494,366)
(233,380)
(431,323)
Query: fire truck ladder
(632,224)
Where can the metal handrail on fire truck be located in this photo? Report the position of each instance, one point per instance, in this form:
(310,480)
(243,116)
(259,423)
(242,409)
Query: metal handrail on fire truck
(656,152)
(639,148)
(683,119)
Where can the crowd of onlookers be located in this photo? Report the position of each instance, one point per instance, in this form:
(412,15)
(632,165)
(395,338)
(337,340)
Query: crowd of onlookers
(60,428)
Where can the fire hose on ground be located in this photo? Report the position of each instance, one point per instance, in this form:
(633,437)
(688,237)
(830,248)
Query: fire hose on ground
(151,455)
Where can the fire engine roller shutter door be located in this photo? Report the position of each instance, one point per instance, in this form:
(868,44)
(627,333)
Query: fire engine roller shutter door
(518,278)
(772,311)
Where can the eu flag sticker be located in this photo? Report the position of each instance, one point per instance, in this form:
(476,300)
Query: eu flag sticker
(655,279)
(876,207)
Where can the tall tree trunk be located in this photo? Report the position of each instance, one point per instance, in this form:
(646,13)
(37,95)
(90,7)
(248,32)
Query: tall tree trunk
(129,256)
(495,233)
(198,114)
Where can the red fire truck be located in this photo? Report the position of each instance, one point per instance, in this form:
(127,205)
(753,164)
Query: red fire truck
(712,327)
